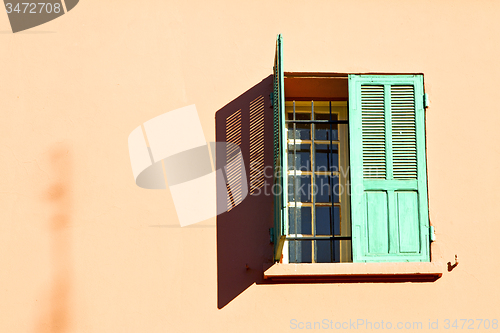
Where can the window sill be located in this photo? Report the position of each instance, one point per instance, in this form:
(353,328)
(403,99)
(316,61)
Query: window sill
(353,272)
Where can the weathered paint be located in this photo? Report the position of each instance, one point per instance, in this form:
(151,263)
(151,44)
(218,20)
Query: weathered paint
(391,214)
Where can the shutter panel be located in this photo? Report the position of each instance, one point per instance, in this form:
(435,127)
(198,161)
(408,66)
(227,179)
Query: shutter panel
(280,157)
(389,208)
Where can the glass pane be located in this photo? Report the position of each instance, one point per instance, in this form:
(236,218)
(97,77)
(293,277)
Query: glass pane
(327,158)
(303,222)
(324,220)
(302,131)
(326,250)
(302,157)
(325,187)
(302,188)
(322,131)
(300,251)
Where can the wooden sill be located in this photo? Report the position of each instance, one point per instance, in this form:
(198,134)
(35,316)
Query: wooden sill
(353,272)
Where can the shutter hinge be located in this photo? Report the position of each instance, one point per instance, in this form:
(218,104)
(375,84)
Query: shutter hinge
(271,97)
(426,101)
(432,234)
(271,235)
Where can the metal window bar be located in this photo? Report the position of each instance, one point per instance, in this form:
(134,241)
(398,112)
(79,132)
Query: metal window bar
(318,237)
(313,183)
(298,237)
(318,121)
(330,183)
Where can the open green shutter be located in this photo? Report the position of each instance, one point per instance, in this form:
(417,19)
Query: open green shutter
(280,157)
(389,207)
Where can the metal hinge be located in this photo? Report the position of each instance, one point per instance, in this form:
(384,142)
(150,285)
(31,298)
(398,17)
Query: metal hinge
(426,101)
(271,98)
(271,235)
(432,234)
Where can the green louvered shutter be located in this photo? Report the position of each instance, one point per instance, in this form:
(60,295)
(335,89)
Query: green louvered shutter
(389,209)
(280,157)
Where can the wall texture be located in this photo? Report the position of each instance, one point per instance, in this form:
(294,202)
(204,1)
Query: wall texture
(83,249)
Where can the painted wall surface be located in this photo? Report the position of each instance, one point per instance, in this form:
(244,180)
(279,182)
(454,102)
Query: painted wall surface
(83,249)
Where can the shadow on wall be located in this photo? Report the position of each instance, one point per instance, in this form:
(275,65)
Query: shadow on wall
(243,242)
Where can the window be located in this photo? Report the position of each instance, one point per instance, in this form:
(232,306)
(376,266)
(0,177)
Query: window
(317,171)
(353,172)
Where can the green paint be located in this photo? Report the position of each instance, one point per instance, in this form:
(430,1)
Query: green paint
(432,233)
(408,222)
(394,239)
(392,185)
(377,222)
(280,154)
(388,131)
(390,218)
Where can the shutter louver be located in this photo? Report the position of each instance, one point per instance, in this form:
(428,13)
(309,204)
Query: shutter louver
(404,140)
(373,122)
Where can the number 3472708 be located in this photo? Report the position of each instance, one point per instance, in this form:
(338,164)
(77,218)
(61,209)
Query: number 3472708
(471,324)
(33,8)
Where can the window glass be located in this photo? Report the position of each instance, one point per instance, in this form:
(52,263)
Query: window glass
(327,188)
(300,251)
(302,189)
(327,157)
(322,131)
(299,157)
(299,220)
(315,195)
(324,220)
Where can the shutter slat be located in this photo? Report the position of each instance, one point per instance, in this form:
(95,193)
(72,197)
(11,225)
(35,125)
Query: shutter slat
(404,143)
(373,132)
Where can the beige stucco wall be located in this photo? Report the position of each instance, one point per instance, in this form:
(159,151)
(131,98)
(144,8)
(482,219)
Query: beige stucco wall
(77,250)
